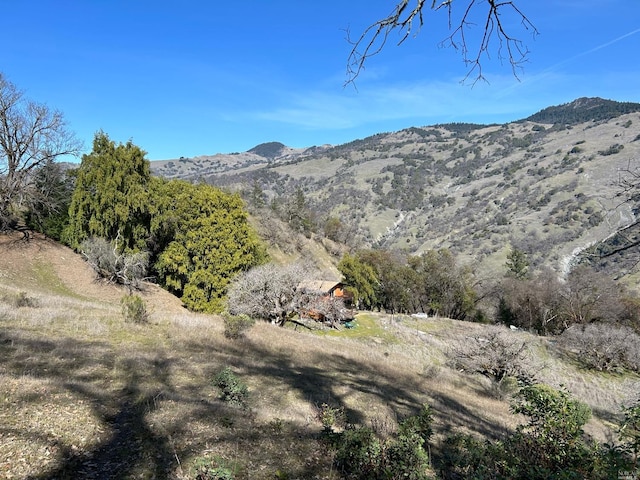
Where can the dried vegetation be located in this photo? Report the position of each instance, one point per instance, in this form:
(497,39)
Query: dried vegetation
(83,392)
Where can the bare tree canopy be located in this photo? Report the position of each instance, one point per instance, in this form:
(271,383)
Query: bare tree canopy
(270,292)
(31,136)
(407,18)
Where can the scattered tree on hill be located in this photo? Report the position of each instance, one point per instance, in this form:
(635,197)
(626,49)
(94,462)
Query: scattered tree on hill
(204,240)
(517,263)
(407,18)
(589,296)
(32,136)
(547,306)
(443,287)
(532,304)
(110,198)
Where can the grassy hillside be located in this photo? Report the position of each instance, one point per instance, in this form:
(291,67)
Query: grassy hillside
(86,395)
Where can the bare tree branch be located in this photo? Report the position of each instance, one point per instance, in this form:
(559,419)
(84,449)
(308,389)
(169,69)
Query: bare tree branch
(404,19)
(31,135)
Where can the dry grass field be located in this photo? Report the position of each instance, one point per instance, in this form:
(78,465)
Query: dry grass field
(84,394)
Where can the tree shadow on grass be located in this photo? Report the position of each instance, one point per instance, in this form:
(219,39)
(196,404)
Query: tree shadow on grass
(123,412)
(128,392)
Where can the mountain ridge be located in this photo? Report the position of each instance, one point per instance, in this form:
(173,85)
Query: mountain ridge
(548,189)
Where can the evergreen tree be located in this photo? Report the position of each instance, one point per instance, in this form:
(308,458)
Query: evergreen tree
(204,239)
(361,280)
(110,199)
(517,264)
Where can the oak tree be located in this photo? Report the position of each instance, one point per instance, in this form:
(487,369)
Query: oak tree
(269,292)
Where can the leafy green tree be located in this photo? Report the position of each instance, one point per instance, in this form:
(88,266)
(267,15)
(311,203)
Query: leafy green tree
(360,279)
(110,198)
(442,287)
(395,279)
(204,239)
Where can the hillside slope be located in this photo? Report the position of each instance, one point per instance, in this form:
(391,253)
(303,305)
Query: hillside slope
(86,395)
(549,189)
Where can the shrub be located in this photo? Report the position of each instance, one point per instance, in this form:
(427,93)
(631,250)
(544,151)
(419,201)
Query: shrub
(612,150)
(604,347)
(630,431)
(496,353)
(358,453)
(331,417)
(108,262)
(362,455)
(405,458)
(134,309)
(236,325)
(549,446)
(419,424)
(208,469)
(21,299)
(233,390)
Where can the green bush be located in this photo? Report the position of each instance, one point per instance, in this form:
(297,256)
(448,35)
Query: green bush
(208,469)
(550,445)
(419,424)
(236,325)
(233,390)
(361,455)
(134,309)
(331,417)
(358,453)
(405,458)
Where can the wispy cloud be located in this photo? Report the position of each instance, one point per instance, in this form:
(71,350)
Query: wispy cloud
(595,49)
(420,102)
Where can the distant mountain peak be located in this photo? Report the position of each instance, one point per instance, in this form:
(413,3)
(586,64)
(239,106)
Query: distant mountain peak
(269,150)
(584,109)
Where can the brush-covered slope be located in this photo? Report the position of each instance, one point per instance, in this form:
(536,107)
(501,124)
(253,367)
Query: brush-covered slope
(547,185)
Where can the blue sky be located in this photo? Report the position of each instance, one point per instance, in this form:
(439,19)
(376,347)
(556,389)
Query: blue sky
(188,78)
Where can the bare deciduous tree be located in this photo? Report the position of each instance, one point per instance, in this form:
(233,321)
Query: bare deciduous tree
(31,135)
(496,353)
(407,18)
(603,346)
(331,310)
(270,292)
